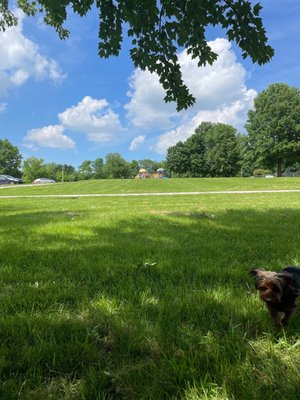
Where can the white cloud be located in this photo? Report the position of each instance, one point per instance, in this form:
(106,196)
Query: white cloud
(20,59)
(49,136)
(19,77)
(217,84)
(94,118)
(234,113)
(137,142)
(147,108)
(220,91)
(91,117)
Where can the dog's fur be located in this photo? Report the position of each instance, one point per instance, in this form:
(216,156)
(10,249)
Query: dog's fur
(279,290)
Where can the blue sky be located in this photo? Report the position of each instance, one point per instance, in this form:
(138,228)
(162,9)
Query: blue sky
(59,101)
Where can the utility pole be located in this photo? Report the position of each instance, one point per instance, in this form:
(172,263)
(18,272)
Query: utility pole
(62,173)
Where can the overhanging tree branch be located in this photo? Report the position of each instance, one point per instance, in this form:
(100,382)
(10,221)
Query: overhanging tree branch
(158,31)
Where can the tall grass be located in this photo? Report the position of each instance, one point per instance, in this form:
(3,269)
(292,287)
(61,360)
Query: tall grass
(145,298)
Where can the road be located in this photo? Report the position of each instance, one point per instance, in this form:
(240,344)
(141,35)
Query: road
(31,196)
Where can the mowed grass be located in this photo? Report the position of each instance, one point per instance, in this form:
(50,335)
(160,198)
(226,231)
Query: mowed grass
(99,186)
(145,298)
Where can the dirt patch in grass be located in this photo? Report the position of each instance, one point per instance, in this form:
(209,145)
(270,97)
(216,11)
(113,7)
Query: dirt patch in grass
(192,214)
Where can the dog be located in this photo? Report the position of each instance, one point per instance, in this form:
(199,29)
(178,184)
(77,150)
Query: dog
(279,290)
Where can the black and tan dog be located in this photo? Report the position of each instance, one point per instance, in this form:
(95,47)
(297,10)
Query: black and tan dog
(279,290)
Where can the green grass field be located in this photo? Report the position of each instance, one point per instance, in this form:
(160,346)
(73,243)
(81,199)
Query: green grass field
(146,297)
(154,185)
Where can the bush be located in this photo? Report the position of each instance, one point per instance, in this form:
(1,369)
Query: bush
(258,172)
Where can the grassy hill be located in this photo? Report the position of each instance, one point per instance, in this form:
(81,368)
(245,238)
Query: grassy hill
(154,185)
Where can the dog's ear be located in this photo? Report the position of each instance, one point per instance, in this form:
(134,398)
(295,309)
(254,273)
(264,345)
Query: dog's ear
(256,272)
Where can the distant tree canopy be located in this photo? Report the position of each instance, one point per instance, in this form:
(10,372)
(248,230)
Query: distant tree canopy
(116,166)
(213,150)
(10,158)
(134,168)
(150,165)
(37,168)
(34,168)
(159,29)
(91,169)
(86,170)
(97,166)
(274,127)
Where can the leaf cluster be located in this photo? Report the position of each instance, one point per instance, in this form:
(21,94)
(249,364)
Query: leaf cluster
(158,30)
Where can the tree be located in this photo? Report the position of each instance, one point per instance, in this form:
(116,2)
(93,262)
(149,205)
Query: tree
(222,150)
(86,170)
(158,29)
(178,159)
(245,163)
(274,127)
(10,158)
(97,166)
(116,167)
(188,158)
(52,171)
(61,172)
(34,168)
(68,171)
(91,169)
(213,150)
(134,168)
(196,146)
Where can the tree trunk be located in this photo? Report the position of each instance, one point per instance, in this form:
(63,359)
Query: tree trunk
(279,166)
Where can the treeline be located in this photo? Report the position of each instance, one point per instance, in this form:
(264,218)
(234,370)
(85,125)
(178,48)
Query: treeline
(270,146)
(218,150)
(114,166)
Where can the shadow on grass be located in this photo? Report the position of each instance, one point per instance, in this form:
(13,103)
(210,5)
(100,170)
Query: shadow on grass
(144,308)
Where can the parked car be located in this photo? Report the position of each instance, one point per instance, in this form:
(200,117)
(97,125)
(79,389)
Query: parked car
(9,180)
(14,179)
(44,180)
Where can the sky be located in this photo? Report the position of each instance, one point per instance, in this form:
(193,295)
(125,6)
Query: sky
(60,102)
